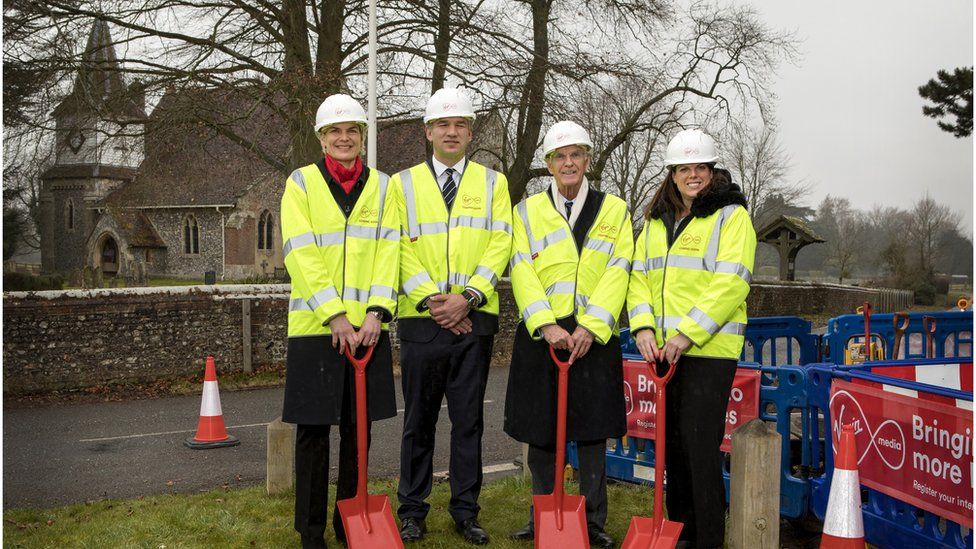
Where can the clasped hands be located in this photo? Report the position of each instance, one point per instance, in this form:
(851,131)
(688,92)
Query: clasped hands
(673,348)
(345,335)
(578,344)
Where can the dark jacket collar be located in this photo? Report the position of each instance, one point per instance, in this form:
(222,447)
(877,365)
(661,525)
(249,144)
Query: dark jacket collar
(723,193)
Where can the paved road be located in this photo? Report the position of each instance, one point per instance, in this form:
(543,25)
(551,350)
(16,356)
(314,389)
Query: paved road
(72,453)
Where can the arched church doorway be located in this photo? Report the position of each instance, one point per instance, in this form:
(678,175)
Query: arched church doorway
(109,257)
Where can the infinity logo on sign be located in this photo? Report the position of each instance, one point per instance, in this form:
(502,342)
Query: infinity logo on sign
(888,440)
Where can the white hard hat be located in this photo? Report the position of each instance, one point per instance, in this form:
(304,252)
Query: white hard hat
(565,133)
(448,102)
(339,108)
(691,147)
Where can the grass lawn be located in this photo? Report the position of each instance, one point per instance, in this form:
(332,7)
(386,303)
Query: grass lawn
(250,518)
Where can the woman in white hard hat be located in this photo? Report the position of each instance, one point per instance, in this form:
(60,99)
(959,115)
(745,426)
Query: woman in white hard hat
(687,305)
(570,262)
(341,235)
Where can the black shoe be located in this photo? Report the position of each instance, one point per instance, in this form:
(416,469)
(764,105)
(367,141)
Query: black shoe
(525,534)
(599,538)
(412,529)
(472,532)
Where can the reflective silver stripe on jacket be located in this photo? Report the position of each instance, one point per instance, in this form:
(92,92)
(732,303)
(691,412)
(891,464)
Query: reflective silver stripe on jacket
(304,239)
(355,294)
(330,239)
(601,313)
(641,309)
(361,231)
(500,225)
(470,221)
(621,262)
(652,263)
(322,297)
(486,273)
(299,178)
(458,279)
(389,234)
(535,307)
(562,287)
(413,228)
(581,301)
(599,245)
(638,267)
(490,177)
(737,269)
(672,322)
(298,304)
(711,253)
(536,246)
(385,292)
(703,320)
(519,257)
(687,262)
(384,181)
(415,282)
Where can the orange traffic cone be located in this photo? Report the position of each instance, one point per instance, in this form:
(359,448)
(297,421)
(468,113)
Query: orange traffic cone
(844,523)
(211,432)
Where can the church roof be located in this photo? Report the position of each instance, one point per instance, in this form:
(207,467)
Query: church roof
(190,163)
(99,86)
(137,229)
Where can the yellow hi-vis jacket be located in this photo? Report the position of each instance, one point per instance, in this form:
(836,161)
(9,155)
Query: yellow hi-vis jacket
(698,286)
(445,252)
(338,265)
(552,279)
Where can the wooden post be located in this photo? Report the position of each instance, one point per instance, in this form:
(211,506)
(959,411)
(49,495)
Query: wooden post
(754,501)
(281,457)
(246,333)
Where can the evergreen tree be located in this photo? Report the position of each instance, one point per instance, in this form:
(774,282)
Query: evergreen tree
(952,95)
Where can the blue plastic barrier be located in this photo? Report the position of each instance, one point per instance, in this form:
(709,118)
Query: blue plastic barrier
(782,390)
(888,522)
(953,334)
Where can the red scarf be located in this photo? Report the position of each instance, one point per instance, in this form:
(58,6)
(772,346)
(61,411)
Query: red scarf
(346,177)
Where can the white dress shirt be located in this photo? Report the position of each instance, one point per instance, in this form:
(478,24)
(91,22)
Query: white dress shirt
(440,171)
(560,201)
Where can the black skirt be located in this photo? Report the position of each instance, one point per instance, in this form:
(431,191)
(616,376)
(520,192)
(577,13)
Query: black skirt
(315,376)
(595,404)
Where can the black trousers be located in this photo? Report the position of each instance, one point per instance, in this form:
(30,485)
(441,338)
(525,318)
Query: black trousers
(312,472)
(698,396)
(593,477)
(455,367)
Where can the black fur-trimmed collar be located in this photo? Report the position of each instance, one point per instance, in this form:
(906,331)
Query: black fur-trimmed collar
(723,193)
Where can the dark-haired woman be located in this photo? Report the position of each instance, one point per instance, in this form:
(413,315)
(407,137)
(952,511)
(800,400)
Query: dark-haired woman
(689,281)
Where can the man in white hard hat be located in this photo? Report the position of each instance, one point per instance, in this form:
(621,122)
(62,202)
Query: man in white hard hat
(571,254)
(456,233)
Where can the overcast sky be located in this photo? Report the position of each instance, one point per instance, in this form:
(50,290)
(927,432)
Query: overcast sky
(850,115)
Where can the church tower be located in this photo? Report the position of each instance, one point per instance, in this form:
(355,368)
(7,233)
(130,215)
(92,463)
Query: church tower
(99,147)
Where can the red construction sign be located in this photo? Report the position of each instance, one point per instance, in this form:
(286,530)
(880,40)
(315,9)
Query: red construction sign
(639,396)
(913,449)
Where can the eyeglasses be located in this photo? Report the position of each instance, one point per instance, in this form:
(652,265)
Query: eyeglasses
(576,156)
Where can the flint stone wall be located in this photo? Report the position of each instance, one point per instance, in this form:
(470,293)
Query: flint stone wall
(65,340)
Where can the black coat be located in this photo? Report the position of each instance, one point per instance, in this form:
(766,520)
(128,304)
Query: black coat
(595,405)
(316,374)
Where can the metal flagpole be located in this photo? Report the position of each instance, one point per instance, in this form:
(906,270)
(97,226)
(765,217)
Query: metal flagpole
(371,133)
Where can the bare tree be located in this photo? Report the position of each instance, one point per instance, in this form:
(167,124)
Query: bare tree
(926,226)
(761,166)
(844,228)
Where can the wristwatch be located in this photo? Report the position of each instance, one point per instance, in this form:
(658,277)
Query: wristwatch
(473,299)
(377,314)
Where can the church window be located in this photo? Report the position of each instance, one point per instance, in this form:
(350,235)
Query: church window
(266,231)
(191,235)
(69,215)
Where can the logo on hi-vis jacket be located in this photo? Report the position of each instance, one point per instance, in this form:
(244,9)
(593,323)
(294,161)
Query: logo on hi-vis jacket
(469,202)
(368,215)
(606,231)
(690,242)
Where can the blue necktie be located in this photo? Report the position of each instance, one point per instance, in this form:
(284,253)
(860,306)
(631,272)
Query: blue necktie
(450,188)
(569,209)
